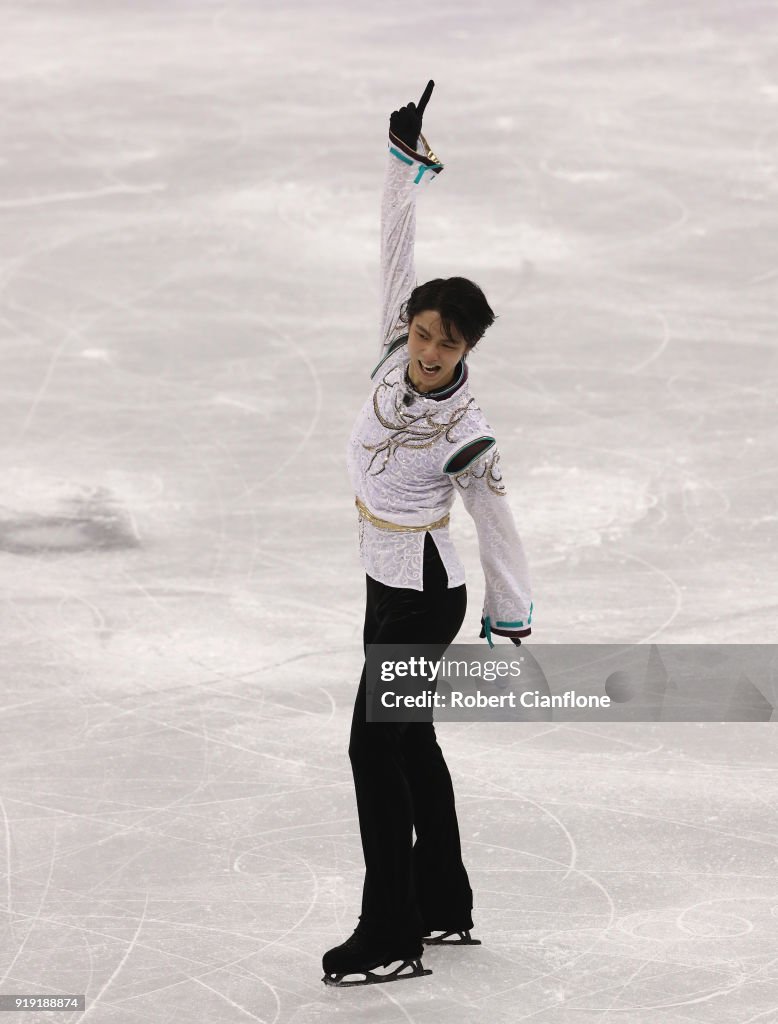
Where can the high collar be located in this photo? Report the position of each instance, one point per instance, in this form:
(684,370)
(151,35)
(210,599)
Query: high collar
(440,394)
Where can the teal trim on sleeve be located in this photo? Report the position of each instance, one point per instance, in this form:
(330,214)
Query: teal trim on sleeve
(516,625)
(400,156)
(426,167)
(488,629)
(393,347)
(456,472)
(408,160)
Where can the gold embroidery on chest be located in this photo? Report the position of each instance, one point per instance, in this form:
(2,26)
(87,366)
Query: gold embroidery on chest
(409,430)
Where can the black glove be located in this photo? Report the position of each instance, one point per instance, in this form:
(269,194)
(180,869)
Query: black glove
(482,635)
(405,123)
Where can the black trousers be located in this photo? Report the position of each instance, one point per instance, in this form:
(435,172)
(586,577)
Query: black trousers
(402,781)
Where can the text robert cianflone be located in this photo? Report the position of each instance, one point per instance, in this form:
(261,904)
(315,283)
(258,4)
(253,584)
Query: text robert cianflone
(425,668)
(528,699)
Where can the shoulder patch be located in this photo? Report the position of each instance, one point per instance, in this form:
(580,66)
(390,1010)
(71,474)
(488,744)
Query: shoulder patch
(394,345)
(460,460)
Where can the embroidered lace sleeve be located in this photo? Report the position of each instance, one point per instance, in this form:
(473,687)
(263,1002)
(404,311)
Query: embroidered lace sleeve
(406,170)
(507,609)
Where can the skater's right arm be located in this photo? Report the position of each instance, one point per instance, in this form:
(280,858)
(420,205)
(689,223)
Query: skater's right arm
(410,163)
(476,475)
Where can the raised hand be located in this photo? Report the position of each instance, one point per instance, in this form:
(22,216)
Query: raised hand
(405,123)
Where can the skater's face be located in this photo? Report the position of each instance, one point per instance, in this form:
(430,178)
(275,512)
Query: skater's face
(429,347)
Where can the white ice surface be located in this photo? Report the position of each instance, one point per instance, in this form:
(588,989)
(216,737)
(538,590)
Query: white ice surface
(189,197)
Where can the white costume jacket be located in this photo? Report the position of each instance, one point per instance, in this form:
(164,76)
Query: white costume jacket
(409,453)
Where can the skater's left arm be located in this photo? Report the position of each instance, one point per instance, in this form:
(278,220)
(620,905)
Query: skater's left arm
(411,164)
(476,476)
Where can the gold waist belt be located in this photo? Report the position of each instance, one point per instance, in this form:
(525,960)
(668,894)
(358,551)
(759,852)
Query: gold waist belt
(384,524)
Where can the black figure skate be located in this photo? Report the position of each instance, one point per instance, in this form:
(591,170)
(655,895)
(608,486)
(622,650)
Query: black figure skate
(450,937)
(359,955)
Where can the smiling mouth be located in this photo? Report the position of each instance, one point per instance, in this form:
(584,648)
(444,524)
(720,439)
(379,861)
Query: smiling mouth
(428,372)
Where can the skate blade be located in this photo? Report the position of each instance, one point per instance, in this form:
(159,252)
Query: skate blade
(452,938)
(370,978)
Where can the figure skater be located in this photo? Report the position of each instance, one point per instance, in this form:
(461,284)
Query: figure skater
(419,439)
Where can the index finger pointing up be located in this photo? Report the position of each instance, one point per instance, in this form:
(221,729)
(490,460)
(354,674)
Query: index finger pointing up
(425,96)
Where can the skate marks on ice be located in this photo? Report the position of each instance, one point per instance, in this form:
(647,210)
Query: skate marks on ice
(550,926)
(184,844)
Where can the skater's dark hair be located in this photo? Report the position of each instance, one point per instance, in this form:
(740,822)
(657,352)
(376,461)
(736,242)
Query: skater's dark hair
(458,301)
